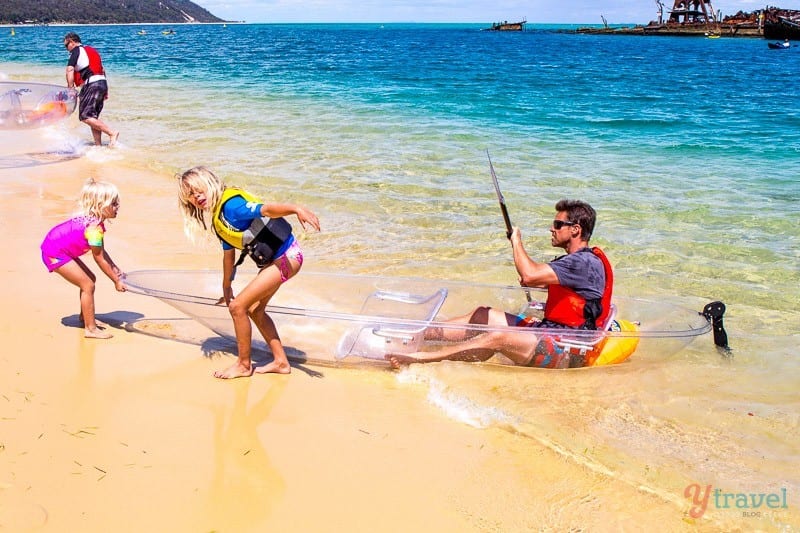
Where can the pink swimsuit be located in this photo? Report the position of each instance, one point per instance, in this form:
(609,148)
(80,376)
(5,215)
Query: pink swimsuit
(71,239)
(294,252)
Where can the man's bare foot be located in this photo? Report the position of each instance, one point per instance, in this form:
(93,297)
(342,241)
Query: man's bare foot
(113,142)
(96,333)
(234,371)
(274,368)
(397,360)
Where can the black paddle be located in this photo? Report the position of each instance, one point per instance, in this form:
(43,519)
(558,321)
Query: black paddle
(503,207)
(500,197)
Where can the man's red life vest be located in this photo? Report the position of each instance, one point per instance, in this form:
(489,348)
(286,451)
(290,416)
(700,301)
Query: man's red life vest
(566,306)
(95,67)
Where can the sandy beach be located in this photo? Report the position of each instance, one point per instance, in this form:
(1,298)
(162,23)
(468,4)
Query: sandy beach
(133,433)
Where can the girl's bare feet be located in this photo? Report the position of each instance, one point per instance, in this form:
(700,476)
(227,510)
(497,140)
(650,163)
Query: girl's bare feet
(234,371)
(96,333)
(274,368)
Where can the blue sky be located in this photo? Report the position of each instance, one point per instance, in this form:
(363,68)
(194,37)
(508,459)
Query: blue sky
(484,11)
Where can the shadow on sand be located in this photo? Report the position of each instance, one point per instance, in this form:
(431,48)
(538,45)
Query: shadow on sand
(187,331)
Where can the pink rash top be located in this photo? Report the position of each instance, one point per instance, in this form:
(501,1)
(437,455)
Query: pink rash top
(71,239)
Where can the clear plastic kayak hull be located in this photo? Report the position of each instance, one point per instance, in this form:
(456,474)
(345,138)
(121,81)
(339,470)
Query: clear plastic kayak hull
(349,317)
(33,105)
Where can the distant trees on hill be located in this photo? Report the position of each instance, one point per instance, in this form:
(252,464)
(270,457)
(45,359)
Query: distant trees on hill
(102,11)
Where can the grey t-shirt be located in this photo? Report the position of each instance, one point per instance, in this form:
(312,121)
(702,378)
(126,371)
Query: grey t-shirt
(582,272)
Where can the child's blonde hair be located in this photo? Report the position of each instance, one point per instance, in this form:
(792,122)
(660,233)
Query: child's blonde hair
(203,180)
(95,197)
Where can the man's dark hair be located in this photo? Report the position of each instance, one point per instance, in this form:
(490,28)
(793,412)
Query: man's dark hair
(580,212)
(72,36)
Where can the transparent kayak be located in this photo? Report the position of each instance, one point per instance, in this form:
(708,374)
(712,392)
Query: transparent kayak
(354,318)
(33,105)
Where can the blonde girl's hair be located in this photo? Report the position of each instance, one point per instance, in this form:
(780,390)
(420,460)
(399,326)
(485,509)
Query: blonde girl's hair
(193,180)
(95,197)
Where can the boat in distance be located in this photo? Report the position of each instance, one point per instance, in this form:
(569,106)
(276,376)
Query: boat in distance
(508,26)
(352,318)
(779,46)
(783,27)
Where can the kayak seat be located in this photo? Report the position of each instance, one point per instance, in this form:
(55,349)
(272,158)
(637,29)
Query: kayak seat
(395,322)
(52,106)
(583,345)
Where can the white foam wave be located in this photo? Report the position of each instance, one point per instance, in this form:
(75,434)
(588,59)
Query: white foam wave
(456,406)
(102,154)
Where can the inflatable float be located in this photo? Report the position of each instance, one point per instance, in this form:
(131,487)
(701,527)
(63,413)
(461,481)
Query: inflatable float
(348,318)
(33,105)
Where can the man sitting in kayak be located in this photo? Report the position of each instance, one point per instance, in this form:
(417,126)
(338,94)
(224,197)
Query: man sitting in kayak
(579,286)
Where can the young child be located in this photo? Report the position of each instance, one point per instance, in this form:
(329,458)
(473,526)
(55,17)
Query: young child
(236,217)
(65,243)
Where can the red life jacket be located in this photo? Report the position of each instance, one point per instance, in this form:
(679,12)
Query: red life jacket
(95,67)
(565,306)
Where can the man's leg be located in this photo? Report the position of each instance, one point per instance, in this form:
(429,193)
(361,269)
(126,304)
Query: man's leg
(98,128)
(481,315)
(518,347)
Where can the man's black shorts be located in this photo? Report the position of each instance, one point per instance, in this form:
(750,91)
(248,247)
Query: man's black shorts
(92,97)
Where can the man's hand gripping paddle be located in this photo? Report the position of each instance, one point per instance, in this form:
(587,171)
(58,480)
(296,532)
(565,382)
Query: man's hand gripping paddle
(503,207)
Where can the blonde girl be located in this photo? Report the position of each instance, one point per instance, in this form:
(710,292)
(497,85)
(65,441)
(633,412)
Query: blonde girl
(242,222)
(65,243)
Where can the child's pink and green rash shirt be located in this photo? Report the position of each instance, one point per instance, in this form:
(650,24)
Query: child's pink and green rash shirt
(71,239)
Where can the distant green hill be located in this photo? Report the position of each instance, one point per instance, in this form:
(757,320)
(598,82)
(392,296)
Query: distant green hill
(102,11)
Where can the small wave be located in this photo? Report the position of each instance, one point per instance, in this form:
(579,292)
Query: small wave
(455,405)
(101,154)
(633,122)
(465,410)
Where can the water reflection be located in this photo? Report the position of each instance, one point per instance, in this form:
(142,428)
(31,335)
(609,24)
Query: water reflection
(243,472)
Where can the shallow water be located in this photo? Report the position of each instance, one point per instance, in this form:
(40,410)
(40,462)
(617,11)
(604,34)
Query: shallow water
(687,148)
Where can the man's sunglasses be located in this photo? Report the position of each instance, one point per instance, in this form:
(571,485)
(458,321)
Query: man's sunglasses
(558,224)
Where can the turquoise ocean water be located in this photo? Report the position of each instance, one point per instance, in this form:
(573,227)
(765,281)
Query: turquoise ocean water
(689,149)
